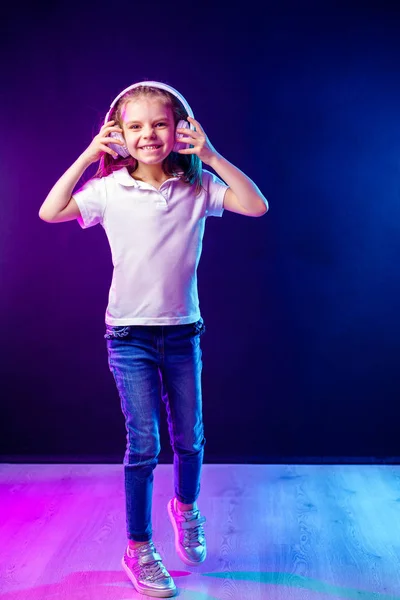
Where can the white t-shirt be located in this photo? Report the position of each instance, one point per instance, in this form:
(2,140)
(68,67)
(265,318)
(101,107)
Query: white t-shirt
(156,239)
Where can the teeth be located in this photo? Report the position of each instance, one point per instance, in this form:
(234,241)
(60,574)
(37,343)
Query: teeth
(149,147)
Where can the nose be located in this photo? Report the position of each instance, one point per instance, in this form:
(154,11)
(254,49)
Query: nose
(148,132)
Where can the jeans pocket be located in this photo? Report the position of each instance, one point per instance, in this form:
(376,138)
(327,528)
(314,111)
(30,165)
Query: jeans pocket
(116,332)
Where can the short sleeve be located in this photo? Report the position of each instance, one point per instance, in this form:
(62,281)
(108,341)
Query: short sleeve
(91,200)
(215,189)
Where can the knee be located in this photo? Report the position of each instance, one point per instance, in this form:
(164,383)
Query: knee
(189,447)
(143,454)
(189,440)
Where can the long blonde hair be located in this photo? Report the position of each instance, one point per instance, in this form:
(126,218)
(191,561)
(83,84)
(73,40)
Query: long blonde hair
(188,165)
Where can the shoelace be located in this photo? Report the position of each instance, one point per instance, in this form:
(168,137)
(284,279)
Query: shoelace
(153,571)
(193,533)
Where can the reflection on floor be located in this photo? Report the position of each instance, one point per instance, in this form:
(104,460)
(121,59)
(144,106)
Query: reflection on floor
(276,532)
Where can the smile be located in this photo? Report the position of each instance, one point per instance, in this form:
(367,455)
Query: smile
(150,147)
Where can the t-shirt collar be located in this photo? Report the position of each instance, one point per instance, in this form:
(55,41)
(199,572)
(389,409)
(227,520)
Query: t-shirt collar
(122,176)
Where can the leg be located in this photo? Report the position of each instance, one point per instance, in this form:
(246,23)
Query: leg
(133,363)
(181,372)
(182,379)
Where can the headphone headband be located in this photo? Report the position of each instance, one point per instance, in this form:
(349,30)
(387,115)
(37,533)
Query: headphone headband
(156,84)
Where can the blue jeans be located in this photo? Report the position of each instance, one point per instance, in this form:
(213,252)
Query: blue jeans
(150,363)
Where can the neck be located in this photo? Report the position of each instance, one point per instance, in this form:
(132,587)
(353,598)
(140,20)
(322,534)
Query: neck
(149,173)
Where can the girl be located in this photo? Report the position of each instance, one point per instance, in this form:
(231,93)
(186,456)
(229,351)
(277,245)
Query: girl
(152,198)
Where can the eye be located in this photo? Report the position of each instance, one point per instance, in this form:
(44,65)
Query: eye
(133,126)
(162,124)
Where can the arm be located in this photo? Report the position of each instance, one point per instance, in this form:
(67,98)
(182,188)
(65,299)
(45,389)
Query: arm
(59,205)
(242,196)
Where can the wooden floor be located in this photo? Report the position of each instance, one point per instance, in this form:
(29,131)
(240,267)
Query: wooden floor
(274,532)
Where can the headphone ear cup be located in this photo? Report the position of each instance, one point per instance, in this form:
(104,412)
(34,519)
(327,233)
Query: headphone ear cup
(121,150)
(180,145)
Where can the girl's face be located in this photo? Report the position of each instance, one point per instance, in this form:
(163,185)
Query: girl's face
(149,129)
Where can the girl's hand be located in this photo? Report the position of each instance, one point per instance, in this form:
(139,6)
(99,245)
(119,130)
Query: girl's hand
(100,142)
(198,139)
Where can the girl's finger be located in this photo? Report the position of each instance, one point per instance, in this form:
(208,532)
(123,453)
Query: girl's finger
(187,136)
(186,151)
(107,129)
(107,140)
(191,131)
(186,140)
(105,148)
(196,123)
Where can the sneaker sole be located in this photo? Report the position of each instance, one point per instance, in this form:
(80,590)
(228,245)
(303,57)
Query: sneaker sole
(178,549)
(147,592)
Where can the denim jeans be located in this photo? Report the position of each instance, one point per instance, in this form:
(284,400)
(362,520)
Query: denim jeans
(150,363)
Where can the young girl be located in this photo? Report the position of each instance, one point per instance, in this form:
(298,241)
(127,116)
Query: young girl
(152,198)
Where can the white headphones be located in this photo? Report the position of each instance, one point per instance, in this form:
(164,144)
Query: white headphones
(123,150)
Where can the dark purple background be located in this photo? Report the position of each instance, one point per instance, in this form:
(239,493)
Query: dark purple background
(301,354)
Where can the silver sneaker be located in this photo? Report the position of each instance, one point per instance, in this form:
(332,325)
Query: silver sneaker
(190,541)
(145,569)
